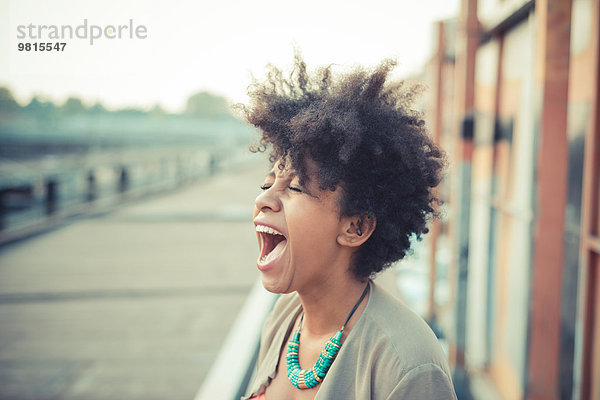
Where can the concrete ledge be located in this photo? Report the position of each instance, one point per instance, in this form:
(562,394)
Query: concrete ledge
(233,368)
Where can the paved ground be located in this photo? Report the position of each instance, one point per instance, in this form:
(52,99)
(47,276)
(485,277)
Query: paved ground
(129,305)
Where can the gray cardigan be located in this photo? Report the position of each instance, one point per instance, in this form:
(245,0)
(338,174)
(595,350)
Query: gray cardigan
(390,353)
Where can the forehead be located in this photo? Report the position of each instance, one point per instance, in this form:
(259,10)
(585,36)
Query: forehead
(279,171)
(284,168)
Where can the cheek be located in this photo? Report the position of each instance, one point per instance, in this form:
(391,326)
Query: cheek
(316,228)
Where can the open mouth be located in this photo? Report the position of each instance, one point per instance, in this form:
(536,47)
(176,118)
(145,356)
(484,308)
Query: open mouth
(272,243)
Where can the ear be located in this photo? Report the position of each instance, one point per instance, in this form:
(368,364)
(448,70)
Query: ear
(356,230)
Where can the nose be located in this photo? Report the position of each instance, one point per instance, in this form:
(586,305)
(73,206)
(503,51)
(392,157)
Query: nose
(267,200)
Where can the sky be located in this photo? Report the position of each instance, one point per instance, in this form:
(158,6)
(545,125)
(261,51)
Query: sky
(191,46)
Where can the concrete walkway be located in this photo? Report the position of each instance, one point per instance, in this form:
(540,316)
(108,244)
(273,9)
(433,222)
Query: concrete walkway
(133,304)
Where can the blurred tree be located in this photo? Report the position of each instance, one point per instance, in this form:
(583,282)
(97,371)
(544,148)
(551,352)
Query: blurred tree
(207,105)
(97,108)
(72,106)
(40,108)
(8,105)
(130,112)
(34,107)
(157,111)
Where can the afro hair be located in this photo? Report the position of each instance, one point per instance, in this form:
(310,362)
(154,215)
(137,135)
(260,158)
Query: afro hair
(366,137)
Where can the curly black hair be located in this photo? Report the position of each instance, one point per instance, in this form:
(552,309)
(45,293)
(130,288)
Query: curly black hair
(366,138)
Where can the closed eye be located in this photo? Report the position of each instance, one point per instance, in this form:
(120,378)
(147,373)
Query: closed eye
(295,189)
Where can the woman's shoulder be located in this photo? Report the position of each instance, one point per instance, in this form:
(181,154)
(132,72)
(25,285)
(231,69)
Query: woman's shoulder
(391,324)
(397,354)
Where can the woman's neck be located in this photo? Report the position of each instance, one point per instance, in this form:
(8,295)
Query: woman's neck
(327,306)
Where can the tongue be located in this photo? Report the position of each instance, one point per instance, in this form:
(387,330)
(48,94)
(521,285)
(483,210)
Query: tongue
(276,251)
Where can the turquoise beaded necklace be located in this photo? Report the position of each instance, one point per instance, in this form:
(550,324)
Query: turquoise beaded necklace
(306,379)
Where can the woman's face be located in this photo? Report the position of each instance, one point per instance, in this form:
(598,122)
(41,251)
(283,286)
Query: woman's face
(296,227)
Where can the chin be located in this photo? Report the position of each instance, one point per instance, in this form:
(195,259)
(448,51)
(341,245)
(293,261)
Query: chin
(275,287)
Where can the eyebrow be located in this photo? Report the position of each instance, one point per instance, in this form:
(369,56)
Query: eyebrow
(293,174)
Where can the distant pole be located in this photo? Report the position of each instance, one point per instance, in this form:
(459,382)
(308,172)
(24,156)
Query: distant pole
(91,186)
(2,209)
(123,180)
(212,167)
(51,196)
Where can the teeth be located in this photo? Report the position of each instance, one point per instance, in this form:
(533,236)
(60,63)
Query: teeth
(267,229)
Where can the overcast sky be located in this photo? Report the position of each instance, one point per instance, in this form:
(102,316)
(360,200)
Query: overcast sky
(205,45)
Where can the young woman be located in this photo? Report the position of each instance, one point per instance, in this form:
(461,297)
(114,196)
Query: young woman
(351,183)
